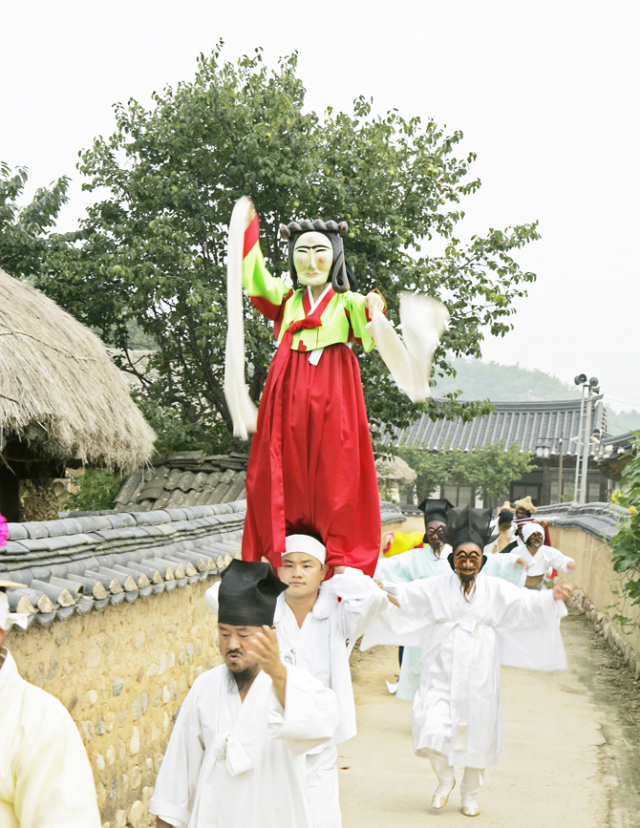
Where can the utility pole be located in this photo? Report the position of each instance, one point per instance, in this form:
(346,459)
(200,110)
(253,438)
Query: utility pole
(593,386)
(579,380)
(561,447)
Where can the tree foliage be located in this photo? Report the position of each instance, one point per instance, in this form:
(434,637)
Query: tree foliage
(153,247)
(489,469)
(97,490)
(25,238)
(625,546)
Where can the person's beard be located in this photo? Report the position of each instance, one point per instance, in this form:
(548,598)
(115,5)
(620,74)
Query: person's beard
(467,584)
(242,678)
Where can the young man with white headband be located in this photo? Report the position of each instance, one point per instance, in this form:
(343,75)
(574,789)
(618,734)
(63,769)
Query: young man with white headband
(317,623)
(539,556)
(45,776)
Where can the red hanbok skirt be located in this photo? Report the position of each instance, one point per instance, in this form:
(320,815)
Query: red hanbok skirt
(328,470)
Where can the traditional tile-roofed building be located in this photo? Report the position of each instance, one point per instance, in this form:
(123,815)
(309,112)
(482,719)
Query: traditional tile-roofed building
(614,453)
(528,424)
(551,425)
(185,478)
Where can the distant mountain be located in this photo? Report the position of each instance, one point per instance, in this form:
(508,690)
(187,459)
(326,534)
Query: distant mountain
(510,383)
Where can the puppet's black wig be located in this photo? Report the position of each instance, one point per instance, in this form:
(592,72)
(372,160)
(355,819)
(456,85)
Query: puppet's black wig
(341,277)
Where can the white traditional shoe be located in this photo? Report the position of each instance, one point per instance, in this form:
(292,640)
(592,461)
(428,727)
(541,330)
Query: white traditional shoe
(470,808)
(442,794)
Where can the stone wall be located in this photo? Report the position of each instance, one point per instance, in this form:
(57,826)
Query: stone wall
(123,673)
(598,581)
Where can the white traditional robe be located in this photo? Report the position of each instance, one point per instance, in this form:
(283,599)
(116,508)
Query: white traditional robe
(429,565)
(45,775)
(322,646)
(234,764)
(457,710)
(545,558)
(346,604)
(421,562)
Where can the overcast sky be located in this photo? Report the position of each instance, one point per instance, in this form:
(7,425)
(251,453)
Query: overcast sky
(545,92)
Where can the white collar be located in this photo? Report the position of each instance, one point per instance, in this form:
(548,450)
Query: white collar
(323,607)
(315,304)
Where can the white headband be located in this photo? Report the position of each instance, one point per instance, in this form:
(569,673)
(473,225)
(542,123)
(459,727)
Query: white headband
(307,544)
(8,619)
(531,528)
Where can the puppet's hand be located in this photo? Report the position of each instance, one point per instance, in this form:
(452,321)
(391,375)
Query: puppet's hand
(251,214)
(562,591)
(373,300)
(521,562)
(571,566)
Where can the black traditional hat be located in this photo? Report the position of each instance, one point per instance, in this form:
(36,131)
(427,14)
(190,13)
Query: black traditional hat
(435,509)
(248,594)
(505,516)
(468,525)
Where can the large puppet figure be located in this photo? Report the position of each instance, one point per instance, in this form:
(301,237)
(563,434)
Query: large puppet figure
(311,466)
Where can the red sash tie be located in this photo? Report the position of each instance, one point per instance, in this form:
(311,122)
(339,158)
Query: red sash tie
(278,369)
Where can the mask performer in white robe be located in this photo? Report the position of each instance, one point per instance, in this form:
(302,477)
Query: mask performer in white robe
(45,775)
(236,757)
(423,561)
(540,557)
(426,563)
(467,625)
(317,623)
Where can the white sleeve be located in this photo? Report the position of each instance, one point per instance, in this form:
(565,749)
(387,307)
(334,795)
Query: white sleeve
(362,600)
(310,716)
(408,624)
(397,569)
(175,788)
(54,785)
(527,624)
(558,560)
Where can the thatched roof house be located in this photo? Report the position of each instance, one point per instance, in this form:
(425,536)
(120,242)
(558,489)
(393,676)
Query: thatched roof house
(61,397)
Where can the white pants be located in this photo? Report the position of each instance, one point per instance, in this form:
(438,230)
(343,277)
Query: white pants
(321,778)
(471,780)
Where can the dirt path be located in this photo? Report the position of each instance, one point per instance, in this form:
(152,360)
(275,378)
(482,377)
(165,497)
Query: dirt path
(570,757)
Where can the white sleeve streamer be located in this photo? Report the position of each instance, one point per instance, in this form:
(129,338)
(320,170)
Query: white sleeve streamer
(243,412)
(423,322)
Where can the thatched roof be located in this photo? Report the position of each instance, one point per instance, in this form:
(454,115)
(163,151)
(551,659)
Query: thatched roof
(59,390)
(394,468)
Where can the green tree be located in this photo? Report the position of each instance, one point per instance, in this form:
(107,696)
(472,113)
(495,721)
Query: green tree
(489,469)
(625,546)
(25,237)
(153,248)
(97,490)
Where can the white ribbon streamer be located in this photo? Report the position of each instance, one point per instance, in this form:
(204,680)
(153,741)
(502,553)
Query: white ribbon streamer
(423,322)
(244,413)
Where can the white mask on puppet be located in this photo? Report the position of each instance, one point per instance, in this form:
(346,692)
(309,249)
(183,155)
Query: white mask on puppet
(8,619)
(313,258)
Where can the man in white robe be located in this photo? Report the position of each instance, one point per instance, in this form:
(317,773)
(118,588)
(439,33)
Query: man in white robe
(540,557)
(427,562)
(317,624)
(236,757)
(45,775)
(467,625)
